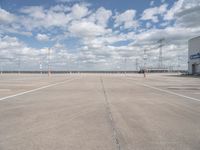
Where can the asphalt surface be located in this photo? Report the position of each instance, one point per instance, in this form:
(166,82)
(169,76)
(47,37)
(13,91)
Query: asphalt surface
(99,112)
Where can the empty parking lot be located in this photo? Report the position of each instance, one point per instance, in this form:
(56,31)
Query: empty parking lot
(99,112)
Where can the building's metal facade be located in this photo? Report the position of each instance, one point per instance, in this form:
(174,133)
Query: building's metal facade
(194,56)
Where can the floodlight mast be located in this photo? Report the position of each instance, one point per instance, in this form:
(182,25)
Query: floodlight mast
(145,59)
(179,59)
(49,70)
(160,52)
(19,64)
(40,67)
(136,64)
(1,68)
(125,62)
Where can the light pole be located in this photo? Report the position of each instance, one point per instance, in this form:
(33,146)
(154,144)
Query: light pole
(1,68)
(49,53)
(160,52)
(40,68)
(145,59)
(19,64)
(136,64)
(125,60)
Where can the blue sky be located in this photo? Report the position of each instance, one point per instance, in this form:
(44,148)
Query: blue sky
(111,4)
(96,34)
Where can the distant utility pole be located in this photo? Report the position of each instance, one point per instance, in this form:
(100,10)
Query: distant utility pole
(1,67)
(125,61)
(19,64)
(145,61)
(179,59)
(160,53)
(40,67)
(69,64)
(49,70)
(78,66)
(136,64)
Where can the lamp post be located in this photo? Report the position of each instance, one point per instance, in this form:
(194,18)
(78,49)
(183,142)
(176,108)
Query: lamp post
(49,70)
(145,59)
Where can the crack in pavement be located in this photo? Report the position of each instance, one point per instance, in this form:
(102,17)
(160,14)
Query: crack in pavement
(107,105)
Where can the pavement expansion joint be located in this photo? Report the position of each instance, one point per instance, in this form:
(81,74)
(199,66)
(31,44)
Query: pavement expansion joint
(107,105)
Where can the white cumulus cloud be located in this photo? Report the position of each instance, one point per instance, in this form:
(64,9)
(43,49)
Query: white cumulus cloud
(42,37)
(6,17)
(127,19)
(86,29)
(102,16)
(78,11)
(152,13)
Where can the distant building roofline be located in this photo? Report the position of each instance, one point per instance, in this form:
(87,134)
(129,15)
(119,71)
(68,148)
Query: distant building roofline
(194,38)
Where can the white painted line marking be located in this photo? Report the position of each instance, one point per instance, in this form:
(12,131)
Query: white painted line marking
(33,90)
(166,91)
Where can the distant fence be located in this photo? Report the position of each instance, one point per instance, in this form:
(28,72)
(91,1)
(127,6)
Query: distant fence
(74,72)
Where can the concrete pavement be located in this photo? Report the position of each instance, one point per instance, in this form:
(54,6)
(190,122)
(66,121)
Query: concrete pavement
(99,112)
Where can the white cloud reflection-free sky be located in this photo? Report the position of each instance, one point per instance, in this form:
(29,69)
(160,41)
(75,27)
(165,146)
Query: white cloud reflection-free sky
(96,35)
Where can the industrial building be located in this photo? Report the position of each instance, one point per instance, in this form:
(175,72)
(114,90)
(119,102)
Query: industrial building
(194,55)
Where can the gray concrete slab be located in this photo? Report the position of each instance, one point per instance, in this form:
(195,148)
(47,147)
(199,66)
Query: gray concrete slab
(100,112)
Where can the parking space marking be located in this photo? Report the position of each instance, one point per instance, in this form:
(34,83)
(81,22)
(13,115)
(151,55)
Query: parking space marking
(36,89)
(166,91)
